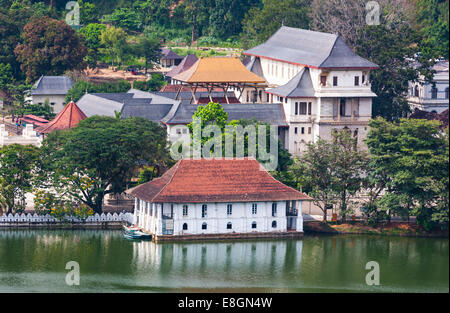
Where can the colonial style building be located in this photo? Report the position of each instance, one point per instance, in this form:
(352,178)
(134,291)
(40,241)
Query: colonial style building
(321,82)
(52,89)
(218,198)
(429,97)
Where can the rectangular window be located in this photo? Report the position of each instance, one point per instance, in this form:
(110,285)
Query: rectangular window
(274,209)
(185,210)
(335,81)
(267,98)
(281,99)
(309,108)
(356,80)
(254,208)
(303,130)
(295,130)
(296,108)
(302,108)
(229,209)
(204,210)
(309,130)
(363,79)
(323,80)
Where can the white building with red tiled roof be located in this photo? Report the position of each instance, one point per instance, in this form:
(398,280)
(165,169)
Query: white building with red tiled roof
(218,198)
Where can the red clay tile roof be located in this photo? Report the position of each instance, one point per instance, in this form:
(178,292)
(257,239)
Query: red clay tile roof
(69,117)
(33,119)
(222,180)
(206,100)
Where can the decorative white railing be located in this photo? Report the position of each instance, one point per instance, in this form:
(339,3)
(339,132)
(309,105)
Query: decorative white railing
(35,218)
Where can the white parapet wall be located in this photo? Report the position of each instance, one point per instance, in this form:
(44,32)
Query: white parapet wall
(29,137)
(15,220)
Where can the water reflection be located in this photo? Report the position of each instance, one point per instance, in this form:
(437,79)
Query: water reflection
(252,263)
(34,260)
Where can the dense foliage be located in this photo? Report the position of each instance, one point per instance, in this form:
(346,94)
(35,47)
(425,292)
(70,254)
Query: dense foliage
(82,87)
(405,174)
(17,164)
(99,157)
(50,47)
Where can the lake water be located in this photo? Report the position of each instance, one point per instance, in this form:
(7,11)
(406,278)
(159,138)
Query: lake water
(35,260)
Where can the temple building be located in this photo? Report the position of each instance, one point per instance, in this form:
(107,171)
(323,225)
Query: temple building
(218,198)
(226,73)
(322,83)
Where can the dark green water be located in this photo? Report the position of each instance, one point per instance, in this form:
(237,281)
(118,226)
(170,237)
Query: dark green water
(35,260)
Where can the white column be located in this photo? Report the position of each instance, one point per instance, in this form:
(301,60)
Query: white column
(299,227)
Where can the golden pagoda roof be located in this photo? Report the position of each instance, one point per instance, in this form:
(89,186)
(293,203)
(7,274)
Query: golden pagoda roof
(218,70)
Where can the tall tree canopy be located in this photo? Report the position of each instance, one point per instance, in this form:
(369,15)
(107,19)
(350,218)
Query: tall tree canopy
(413,154)
(50,47)
(261,22)
(100,156)
(392,48)
(17,165)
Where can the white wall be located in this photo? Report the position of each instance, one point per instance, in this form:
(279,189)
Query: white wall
(59,101)
(148,216)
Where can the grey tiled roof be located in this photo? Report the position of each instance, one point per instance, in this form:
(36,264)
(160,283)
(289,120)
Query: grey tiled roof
(101,104)
(271,113)
(145,108)
(299,86)
(106,104)
(187,62)
(52,85)
(185,96)
(167,54)
(254,65)
(316,49)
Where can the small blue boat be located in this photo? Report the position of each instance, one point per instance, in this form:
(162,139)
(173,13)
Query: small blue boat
(135,233)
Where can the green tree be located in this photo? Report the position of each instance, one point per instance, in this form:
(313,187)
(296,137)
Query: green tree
(332,172)
(349,167)
(49,47)
(17,165)
(314,173)
(154,84)
(100,156)
(112,39)
(414,155)
(261,22)
(213,114)
(125,18)
(392,48)
(150,50)
(91,35)
(432,17)
(82,86)
(89,12)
